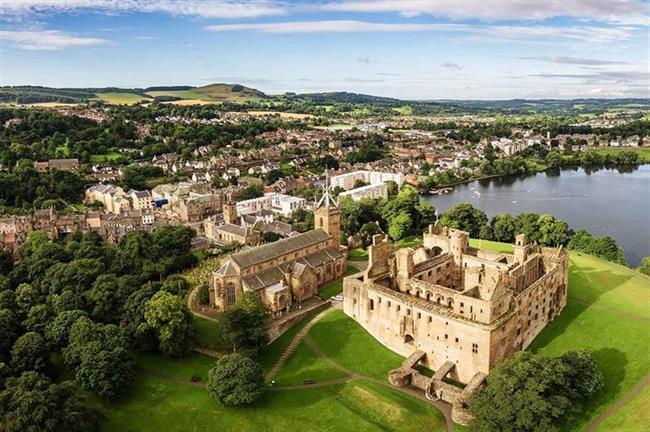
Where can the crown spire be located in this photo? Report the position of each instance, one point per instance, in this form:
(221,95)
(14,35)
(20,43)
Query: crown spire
(328,197)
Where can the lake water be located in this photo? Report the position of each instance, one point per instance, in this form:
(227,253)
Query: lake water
(604,202)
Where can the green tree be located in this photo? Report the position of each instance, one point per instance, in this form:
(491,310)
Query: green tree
(552,232)
(29,353)
(235,380)
(32,402)
(243,325)
(534,393)
(465,217)
(645,266)
(9,332)
(168,316)
(399,226)
(57,331)
(504,228)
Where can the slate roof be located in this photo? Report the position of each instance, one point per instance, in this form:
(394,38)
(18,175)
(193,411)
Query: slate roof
(234,229)
(279,248)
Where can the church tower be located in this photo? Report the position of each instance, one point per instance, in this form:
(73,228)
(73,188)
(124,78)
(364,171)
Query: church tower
(327,215)
(230,213)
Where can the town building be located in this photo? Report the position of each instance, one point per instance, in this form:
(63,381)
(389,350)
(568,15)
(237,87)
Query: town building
(347,181)
(370,191)
(278,203)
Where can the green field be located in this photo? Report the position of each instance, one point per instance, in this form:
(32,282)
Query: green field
(404,110)
(358,254)
(117,98)
(632,417)
(608,314)
(183,94)
(105,157)
(304,364)
(347,343)
(644,152)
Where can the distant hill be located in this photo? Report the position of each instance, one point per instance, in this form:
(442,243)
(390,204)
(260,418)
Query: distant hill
(219,92)
(327,98)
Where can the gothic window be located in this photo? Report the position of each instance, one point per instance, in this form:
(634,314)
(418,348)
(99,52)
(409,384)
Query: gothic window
(230,293)
(475,348)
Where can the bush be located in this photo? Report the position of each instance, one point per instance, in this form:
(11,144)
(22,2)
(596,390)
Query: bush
(235,380)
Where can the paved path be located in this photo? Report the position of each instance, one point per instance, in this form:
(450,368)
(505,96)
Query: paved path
(361,265)
(619,404)
(294,344)
(192,304)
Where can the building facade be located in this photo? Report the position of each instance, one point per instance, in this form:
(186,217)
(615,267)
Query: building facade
(287,271)
(461,307)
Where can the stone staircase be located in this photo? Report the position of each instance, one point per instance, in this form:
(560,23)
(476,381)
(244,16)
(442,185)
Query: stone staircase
(294,344)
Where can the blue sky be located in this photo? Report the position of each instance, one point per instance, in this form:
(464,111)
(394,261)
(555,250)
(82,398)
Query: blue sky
(412,49)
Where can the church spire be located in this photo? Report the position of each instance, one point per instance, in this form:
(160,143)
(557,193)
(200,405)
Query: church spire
(328,197)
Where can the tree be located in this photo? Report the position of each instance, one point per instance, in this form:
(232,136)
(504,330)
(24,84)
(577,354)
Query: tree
(552,232)
(168,316)
(57,331)
(98,354)
(140,335)
(465,217)
(503,228)
(235,380)
(399,226)
(243,325)
(32,402)
(9,332)
(645,266)
(534,393)
(37,318)
(29,353)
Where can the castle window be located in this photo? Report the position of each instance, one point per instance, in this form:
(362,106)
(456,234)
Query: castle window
(430,319)
(372,304)
(230,293)
(446,336)
(379,300)
(408,312)
(475,348)
(419,315)
(398,308)
(389,303)
(456,340)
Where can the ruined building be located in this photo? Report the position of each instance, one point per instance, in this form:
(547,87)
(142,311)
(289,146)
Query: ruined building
(455,309)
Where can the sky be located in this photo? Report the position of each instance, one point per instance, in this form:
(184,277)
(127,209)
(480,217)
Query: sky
(409,49)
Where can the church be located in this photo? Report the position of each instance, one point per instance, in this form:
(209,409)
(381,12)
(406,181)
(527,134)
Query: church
(288,271)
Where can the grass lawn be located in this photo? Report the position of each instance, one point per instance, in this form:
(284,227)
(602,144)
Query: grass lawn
(194,364)
(157,405)
(644,152)
(410,241)
(117,98)
(273,352)
(207,333)
(632,417)
(347,343)
(358,254)
(619,343)
(105,157)
(304,364)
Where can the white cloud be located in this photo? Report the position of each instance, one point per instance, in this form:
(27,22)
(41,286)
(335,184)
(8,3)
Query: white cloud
(574,60)
(615,11)
(202,8)
(582,33)
(450,65)
(46,39)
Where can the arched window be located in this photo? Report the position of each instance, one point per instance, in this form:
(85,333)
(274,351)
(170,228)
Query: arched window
(450,302)
(408,339)
(230,293)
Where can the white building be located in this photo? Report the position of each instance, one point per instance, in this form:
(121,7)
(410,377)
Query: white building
(371,191)
(278,203)
(347,181)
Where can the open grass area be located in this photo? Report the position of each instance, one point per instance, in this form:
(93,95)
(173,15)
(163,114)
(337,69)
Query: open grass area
(607,315)
(404,110)
(644,152)
(207,334)
(410,241)
(335,287)
(632,417)
(273,352)
(158,405)
(194,364)
(117,98)
(347,343)
(304,364)
(183,94)
(358,254)
(105,157)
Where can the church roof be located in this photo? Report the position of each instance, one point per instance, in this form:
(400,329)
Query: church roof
(227,269)
(279,248)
